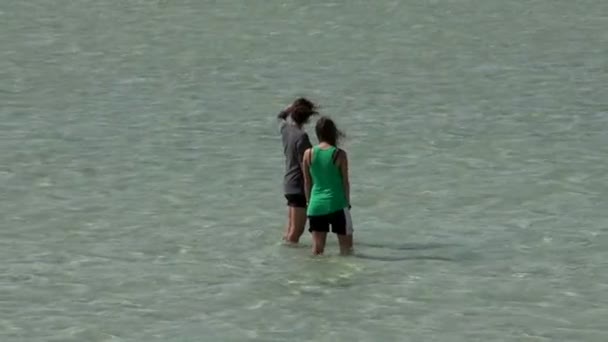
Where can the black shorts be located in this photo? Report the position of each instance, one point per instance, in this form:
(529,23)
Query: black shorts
(296,200)
(340,222)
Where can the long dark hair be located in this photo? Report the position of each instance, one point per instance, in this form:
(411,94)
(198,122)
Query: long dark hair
(328,132)
(302,109)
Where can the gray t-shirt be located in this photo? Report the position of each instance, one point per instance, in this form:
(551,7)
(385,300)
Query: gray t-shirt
(295,143)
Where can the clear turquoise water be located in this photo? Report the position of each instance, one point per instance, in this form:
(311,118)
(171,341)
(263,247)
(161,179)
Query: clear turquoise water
(140,170)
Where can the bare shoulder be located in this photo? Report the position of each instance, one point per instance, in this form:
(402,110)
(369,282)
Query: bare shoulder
(307,155)
(342,154)
(340,158)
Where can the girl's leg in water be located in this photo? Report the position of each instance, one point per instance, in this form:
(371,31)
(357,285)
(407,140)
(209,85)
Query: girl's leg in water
(288,226)
(342,225)
(318,242)
(346,244)
(298,223)
(296,220)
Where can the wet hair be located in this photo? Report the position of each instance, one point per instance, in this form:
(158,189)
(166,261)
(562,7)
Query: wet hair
(328,132)
(302,109)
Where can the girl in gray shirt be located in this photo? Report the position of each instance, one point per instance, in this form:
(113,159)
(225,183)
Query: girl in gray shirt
(295,142)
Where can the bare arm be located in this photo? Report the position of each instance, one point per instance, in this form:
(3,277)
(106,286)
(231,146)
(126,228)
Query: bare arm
(283,115)
(285,112)
(282,118)
(306,172)
(343,164)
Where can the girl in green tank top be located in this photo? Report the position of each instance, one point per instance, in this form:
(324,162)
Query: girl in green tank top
(327,194)
(327,188)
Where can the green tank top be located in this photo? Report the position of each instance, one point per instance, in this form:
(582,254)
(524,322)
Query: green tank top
(327,194)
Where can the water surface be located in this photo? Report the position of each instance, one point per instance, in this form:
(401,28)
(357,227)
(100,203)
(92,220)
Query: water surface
(140,170)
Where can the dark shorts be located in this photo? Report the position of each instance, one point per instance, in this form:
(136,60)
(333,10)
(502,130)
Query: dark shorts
(296,200)
(340,222)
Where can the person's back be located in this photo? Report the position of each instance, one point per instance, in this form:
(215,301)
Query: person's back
(327,187)
(327,193)
(295,142)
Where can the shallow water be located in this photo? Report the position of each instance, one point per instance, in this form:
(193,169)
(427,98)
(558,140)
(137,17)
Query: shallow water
(140,170)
